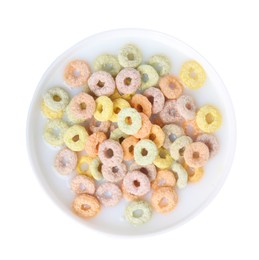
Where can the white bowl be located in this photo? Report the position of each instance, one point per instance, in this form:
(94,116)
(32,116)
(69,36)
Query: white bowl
(194,197)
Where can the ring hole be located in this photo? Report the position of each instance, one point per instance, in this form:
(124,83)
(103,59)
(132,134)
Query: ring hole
(163,202)
(100,108)
(82,187)
(136,183)
(97,123)
(144,170)
(162,154)
(145,78)
(128,120)
(181,151)
(139,108)
(172,137)
(131,148)
(82,106)
(130,56)
(121,139)
(193,74)
(127,81)
(85,207)
(115,169)
(56,98)
(107,67)
(188,106)
(100,84)
(196,155)
(151,99)
(152,137)
(171,85)
(84,167)
(138,213)
(56,131)
(107,194)
(109,153)
(157,67)
(209,118)
(64,161)
(76,73)
(117,110)
(75,138)
(144,152)
(161,182)
(99,168)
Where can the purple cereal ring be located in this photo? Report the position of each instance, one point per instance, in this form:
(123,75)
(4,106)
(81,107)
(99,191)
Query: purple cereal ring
(186,107)
(109,194)
(149,170)
(128,81)
(169,113)
(81,184)
(136,183)
(156,98)
(97,126)
(211,141)
(101,83)
(114,173)
(65,161)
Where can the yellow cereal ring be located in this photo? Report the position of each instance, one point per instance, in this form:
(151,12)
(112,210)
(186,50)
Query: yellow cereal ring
(104,108)
(116,95)
(49,113)
(118,105)
(194,174)
(208,119)
(157,135)
(81,162)
(163,159)
(192,74)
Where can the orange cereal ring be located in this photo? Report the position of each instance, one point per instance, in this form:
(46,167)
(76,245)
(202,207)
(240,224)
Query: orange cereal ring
(190,128)
(157,135)
(128,147)
(194,174)
(171,87)
(93,142)
(141,104)
(164,178)
(144,131)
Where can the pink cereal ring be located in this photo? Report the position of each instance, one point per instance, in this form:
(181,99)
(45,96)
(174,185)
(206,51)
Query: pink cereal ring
(186,107)
(149,170)
(156,98)
(114,173)
(97,126)
(169,113)
(128,81)
(81,184)
(211,141)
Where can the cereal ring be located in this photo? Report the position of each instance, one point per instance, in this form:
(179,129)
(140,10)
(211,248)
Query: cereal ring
(208,119)
(75,138)
(211,141)
(118,135)
(186,107)
(144,131)
(141,104)
(163,159)
(138,212)
(192,74)
(181,173)
(157,135)
(164,199)
(196,154)
(109,194)
(77,73)
(149,170)
(145,152)
(81,184)
(97,126)
(190,128)
(95,169)
(171,87)
(172,132)
(164,178)
(114,173)
(116,95)
(86,206)
(51,114)
(56,99)
(128,147)
(169,113)
(104,108)
(118,105)
(101,83)
(156,98)
(65,161)
(93,142)
(129,121)
(54,132)
(108,63)
(110,153)
(161,64)
(129,56)
(128,81)
(129,196)
(178,146)
(149,76)
(194,174)
(136,183)
(71,119)
(83,165)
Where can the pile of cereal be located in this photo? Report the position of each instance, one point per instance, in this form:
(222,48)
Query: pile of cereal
(130,133)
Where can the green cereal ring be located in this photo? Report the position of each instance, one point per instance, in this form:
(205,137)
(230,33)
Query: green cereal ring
(118,135)
(75,138)
(138,212)
(56,99)
(182,175)
(54,132)
(94,168)
(161,64)
(104,108)
(129,121)
(129,56)
(145,152)
(108,63)
(149,76)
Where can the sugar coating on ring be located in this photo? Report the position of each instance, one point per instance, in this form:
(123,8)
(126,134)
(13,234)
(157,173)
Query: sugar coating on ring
(164,199)
(104,108)
(109,194)
(163,159)
(101,83)
(128,147)
(144,131)
(161,64)
(157,135)
(83,165)
(172,132)
(196,154)
(131,212)
(56,98)
(114,173)
(171,87)
(129,121)
(65,161)
(95,169)
(192,74)
(136,183)
(145,152)
(97,126)
(93,142)
(54,131)
(194,174)
(128,196)
(211,141)
(149,76)
(190,128)
(81,184)
(156,98)
(110,153)
(169,114)
(130,56)
(108,63)
(181,173)
(86,206)
(149,170)
(186,107)
(118,105)
(141,104)
(164,178)
(51,114)
(118,135)
(208,119)
(77,73)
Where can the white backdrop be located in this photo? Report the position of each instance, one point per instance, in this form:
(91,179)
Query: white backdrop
(34,33)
